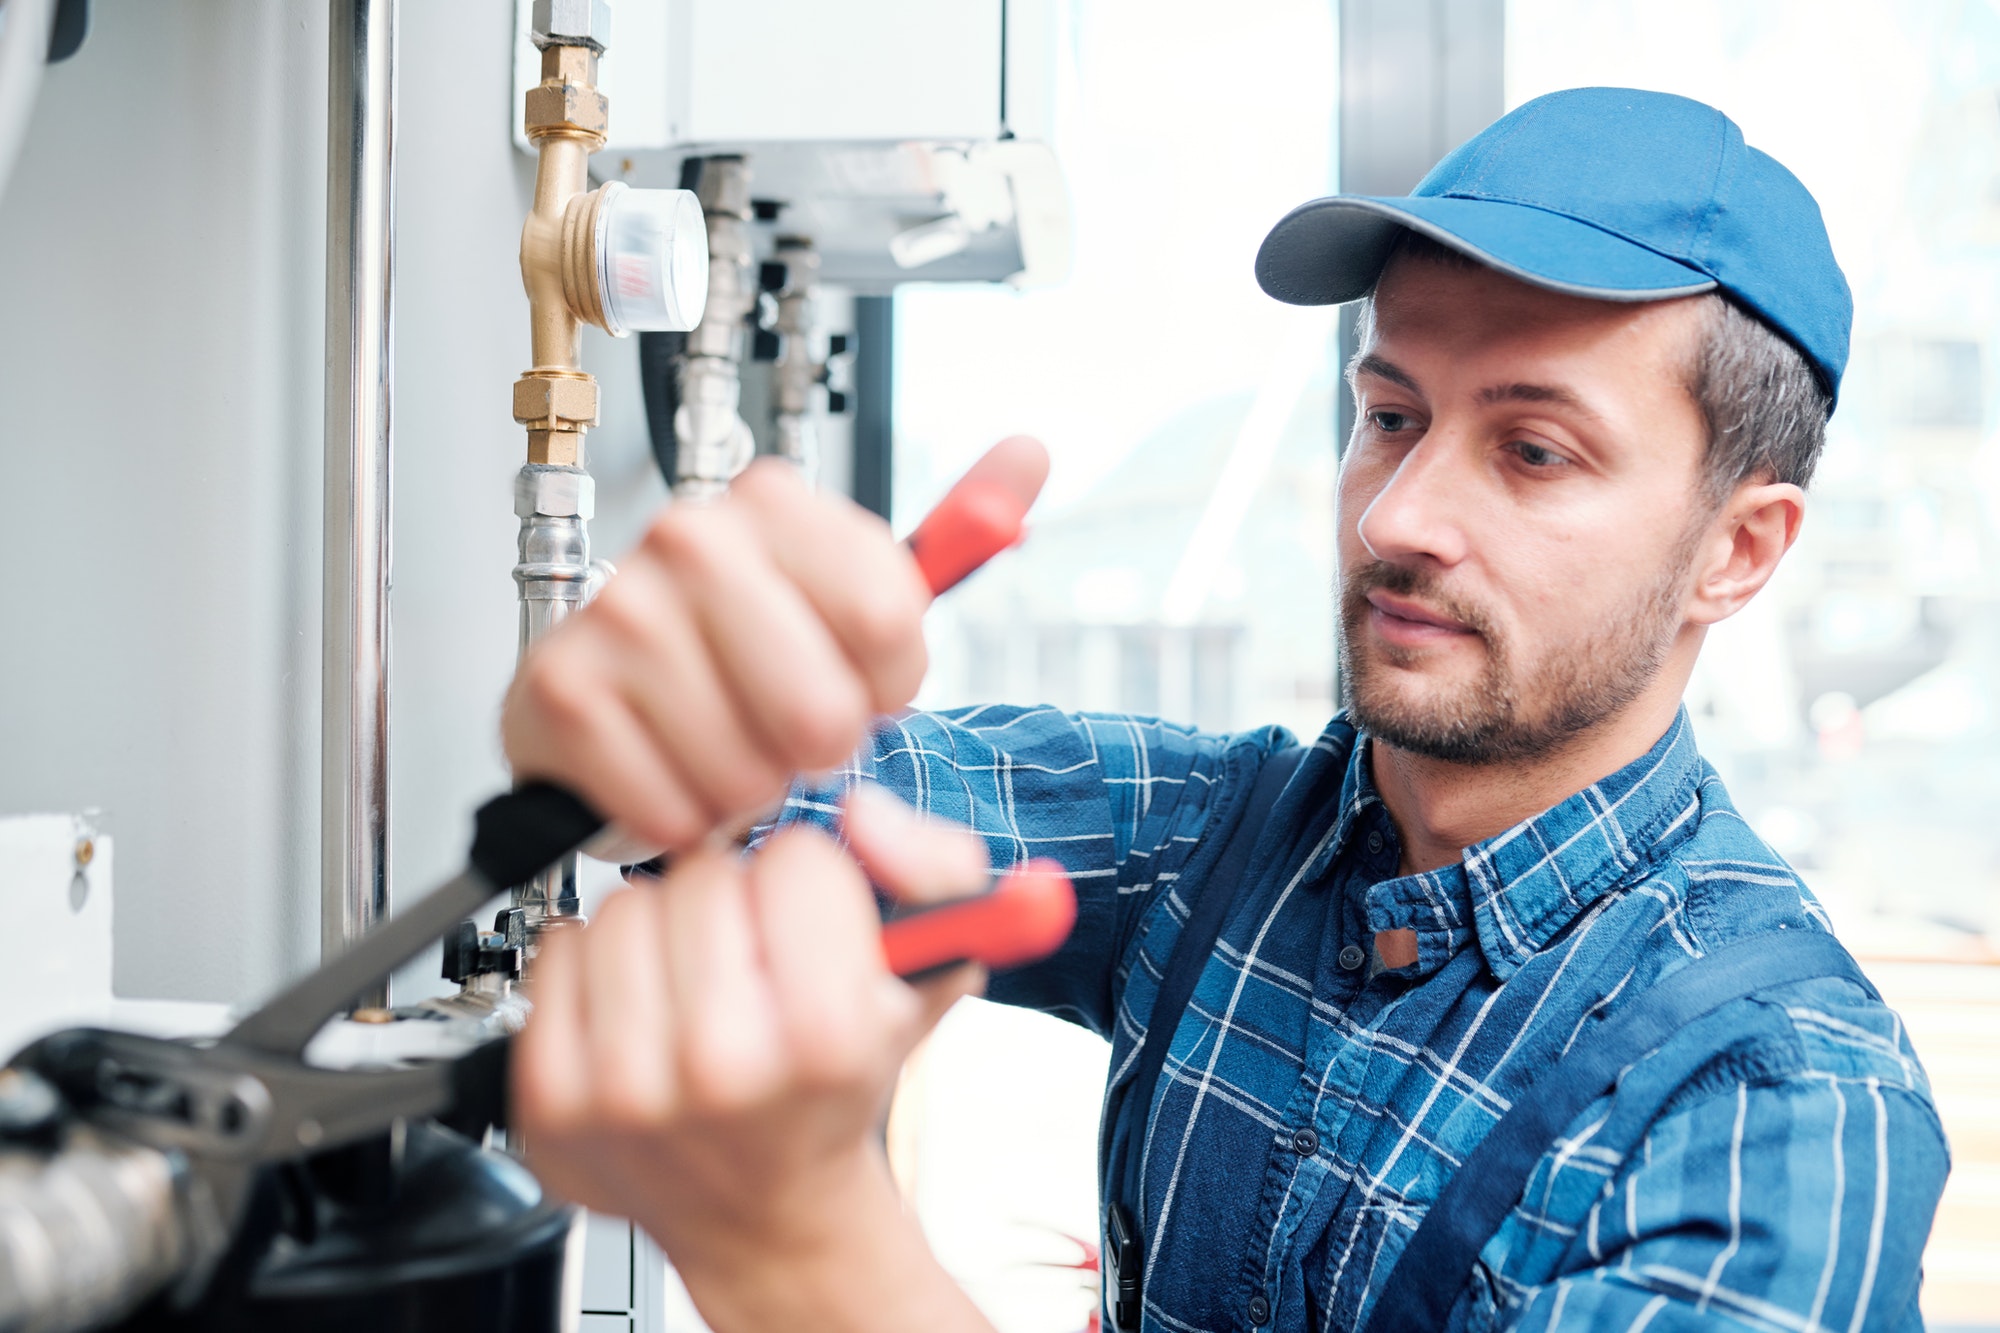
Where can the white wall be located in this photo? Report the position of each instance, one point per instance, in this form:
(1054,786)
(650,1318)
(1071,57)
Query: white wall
(161,283)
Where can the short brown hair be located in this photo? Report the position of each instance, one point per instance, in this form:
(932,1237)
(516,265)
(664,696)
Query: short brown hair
(1765,409)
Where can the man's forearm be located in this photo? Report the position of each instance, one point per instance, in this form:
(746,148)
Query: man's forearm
(867,1270)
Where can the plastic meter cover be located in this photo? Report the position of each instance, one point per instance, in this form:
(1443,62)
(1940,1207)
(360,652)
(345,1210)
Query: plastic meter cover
(652,260)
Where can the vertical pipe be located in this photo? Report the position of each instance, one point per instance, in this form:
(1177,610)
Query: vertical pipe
(713,443)
(360,365)
(795,433)
(874,402)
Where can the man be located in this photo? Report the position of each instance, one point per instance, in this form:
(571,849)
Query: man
(1599,350)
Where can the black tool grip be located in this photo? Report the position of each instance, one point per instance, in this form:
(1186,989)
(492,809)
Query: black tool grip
(517,836)
(479,1088)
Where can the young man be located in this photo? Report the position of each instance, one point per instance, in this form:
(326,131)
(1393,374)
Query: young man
(1601,344)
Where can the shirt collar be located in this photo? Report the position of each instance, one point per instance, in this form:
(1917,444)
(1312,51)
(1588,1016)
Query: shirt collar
(1515,891)
(1357,795)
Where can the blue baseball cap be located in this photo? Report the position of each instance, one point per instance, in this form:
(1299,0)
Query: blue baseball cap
(1610,193)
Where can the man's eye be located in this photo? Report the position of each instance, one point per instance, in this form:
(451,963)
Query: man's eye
(1534,455)
(1389,422)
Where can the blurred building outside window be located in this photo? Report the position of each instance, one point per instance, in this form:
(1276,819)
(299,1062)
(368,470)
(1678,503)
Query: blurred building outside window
(1854,707)
(1181,561)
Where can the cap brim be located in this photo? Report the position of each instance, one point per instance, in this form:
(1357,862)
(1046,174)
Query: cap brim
(1332,250)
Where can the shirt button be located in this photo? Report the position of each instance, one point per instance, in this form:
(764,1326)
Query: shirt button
(1305,1143)
(1352,957)
(1260,1310)
(1375,841)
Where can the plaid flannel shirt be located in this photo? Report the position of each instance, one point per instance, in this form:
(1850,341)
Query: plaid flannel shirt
(1775,1166)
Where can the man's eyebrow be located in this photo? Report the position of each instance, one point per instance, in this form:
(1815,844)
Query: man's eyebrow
(1555,394)
(1537,393)
(1383,370)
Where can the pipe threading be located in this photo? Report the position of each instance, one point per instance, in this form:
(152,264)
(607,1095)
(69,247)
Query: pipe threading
(579,257)
(563,132)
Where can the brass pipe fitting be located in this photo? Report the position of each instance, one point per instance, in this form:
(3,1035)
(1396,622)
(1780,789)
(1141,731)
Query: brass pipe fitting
(566,117)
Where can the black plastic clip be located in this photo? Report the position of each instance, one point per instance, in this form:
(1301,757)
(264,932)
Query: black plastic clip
(1124,1265)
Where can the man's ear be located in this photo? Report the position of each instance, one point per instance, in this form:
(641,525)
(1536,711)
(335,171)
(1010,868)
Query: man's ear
(1742,547)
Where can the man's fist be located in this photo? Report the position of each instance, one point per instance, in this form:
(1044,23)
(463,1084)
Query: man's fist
(712,1057)
(740,643)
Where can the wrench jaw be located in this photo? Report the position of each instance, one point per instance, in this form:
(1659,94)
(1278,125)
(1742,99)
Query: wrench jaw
(219,1116)
(199,1122)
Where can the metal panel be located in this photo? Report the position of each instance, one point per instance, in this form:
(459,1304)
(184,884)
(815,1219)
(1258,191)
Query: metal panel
(55,895)
(793,69)
(874,402)
(1417,78)
(1034,31)
(607,1263)
(770,71)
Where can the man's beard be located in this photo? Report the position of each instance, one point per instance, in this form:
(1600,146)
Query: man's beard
(1510,711)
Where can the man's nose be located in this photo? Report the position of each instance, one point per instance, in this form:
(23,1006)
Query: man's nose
(1420,512)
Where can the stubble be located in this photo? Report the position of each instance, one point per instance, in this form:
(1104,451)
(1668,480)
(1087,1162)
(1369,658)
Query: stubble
(1517,707)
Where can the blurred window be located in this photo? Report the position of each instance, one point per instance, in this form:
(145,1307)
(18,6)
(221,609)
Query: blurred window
(1058,662)
(1181,561)
(1854,707)
(1139,669)
(1189,416)
(1212,675)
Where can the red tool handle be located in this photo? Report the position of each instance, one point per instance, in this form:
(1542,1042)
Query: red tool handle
(977,520)
(1025,916)
(1029,911)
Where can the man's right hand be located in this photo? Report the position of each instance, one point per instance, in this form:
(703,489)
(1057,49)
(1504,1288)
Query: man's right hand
(740,643)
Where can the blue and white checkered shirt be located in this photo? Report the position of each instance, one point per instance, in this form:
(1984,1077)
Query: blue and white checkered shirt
(1775,1166)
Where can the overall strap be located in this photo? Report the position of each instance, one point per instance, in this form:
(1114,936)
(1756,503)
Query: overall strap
(1206,914)
(1191,952)
(1438,1261)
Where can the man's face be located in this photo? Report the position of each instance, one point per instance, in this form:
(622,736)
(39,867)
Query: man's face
(1518,508)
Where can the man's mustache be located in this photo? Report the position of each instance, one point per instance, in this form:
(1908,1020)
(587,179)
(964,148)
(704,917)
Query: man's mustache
(1417,584)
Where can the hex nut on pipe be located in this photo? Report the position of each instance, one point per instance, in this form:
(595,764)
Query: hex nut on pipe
(553,403)
(554,492)
(559,106)
(572,23)
(555,448)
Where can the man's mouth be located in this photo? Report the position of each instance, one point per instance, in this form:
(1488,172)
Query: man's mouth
(1410,624)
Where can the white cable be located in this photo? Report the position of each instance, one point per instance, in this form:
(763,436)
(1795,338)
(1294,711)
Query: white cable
(24,51)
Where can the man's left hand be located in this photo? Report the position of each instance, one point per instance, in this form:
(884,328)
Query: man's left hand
(713,1055)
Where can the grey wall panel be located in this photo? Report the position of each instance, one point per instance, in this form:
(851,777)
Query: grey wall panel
(461,339)
(160,266)
(161,274)
(161,344)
